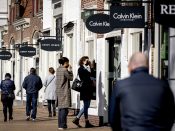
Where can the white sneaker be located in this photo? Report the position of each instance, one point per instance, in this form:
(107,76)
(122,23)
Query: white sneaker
(60,128)
(33,120)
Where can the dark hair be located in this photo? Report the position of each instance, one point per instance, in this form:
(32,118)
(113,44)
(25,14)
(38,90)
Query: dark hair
(51,70)
(82,60)
(63,60)
(32,71)
(8,75)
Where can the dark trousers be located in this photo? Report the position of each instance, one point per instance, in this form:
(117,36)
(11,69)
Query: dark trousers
(62,117)
(31,104)
(7,105)
(51,106)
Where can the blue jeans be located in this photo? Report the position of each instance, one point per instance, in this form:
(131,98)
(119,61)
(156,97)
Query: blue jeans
(84,109)
(31,104)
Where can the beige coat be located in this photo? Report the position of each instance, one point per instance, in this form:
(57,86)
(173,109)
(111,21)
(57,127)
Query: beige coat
(63,90)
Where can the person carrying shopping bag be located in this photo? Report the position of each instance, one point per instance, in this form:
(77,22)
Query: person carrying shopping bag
(86,92)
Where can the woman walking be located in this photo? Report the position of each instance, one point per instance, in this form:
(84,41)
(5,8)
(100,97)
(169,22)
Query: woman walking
(50,92)
(63,77)
(86,92)
(7,96)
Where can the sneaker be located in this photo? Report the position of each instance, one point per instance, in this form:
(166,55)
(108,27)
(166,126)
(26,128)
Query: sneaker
(28,118)
(33,120)
(60,128)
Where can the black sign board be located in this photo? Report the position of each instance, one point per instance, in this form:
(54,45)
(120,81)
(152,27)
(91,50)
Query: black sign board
(127,17)
(27,51)
(165,12)
(51,44)
(98,23)
(5,55)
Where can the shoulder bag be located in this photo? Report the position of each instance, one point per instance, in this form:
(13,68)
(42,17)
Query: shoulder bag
(77,84)
(48,84)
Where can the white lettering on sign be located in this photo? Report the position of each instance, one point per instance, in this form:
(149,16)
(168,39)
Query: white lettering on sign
(95,23)
(129,17)
(167,9)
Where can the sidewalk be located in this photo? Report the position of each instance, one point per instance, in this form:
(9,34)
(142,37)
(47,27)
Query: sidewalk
(42,123)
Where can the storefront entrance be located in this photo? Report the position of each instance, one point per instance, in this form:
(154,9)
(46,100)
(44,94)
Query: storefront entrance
(114,62)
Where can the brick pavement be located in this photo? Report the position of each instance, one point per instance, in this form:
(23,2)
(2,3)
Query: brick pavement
(42,123)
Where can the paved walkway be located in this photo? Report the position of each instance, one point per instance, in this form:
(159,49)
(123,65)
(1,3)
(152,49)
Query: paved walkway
(42,123)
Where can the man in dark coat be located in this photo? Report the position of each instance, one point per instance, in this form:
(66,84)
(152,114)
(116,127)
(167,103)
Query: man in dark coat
(141,102)
(32,84)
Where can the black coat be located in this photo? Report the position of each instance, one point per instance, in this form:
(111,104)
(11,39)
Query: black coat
(86,92)
(142,103)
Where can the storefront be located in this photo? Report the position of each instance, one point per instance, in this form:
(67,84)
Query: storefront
(165,39)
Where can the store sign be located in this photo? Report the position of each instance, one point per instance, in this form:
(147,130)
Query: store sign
(27,51)
(165,12)
(98,23)
(51,44)
(5,55)
(127,17)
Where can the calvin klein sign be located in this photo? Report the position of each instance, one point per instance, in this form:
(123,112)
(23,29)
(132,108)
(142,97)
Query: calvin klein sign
(165,12)
(50,45)
(27,51)
(127,17)
(5,55)
(98,23)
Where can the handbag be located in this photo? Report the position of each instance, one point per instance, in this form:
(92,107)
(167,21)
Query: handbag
(11,95)
(77,84)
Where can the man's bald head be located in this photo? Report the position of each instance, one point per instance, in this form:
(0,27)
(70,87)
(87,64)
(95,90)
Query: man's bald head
(137,60)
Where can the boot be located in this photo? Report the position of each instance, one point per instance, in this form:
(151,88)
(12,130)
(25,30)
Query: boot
(54,113)
(54,110)
(76,122)
(5,117)
(88,125)
(50,114)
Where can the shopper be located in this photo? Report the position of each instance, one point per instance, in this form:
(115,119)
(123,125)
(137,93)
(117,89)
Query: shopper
(50,92)
(32,84)
(7,87)
(86,93)
(141,102)
(63,77)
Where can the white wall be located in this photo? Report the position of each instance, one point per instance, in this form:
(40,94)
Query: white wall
(72,13)
(47,14)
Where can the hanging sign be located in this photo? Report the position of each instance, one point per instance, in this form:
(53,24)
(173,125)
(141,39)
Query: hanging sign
(164,12)
(50,45)
(27,51)
(5,55)
(127,17)
(98,23)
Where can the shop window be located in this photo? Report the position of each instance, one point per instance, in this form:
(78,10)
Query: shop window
(91,50)
(164,53)
(12,14)
(59,27)
(137,42)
